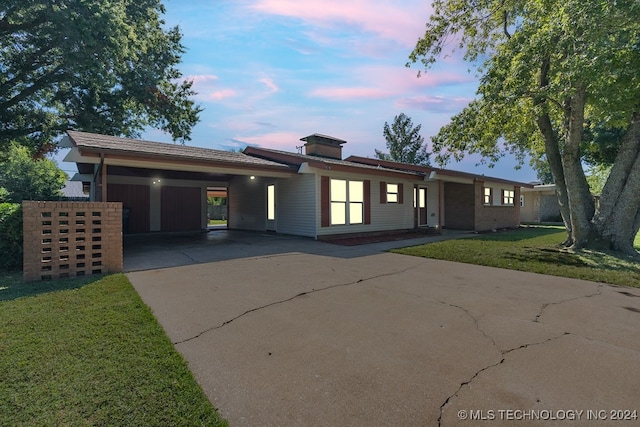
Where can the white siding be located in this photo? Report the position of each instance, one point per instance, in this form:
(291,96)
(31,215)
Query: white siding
(296,205)
(247,203)
(384,216)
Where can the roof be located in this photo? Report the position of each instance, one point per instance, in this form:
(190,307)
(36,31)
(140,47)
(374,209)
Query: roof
(74,189)
(428,170)
(296,159)
(113,144)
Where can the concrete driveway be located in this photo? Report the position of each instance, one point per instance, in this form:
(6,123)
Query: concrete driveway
(351,336)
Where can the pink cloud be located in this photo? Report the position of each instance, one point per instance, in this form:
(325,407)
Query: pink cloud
(436,104)
(207,88)
(269,83)
(402,22)
(219,95)
(286,141)
(350,93)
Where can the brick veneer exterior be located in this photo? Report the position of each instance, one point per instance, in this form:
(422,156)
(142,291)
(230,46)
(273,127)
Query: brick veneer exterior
(68,239)
(493,217)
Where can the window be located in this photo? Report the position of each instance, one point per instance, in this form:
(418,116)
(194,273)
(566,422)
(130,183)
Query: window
(347,202)
(507,197)
(487,195)
(392,193)
(271,202)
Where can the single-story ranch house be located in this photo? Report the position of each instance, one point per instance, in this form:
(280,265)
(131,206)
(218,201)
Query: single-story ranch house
(163,187)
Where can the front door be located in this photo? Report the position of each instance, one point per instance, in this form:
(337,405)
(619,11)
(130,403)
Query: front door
(271,207)
(420,205)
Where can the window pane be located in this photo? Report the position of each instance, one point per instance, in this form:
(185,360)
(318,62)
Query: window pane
(392,188)
(271,202)
(355,213)
(338,190)
(423,199)
(356,191)
(392,197)
(338,213)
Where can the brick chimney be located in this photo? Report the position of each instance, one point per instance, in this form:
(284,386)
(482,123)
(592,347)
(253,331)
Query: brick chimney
(323,146)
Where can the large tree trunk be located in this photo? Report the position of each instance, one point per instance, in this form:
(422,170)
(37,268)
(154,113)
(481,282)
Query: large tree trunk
(552,150)
(617,220)
(581,203)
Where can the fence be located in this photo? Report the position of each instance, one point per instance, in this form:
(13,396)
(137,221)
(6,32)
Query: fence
(69,239)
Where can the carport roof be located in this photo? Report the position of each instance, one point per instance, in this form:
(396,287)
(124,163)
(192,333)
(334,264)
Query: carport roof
(140,148)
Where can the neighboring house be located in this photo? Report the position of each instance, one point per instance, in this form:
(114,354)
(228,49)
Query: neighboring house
(316,194)
(539,204)
(74,190)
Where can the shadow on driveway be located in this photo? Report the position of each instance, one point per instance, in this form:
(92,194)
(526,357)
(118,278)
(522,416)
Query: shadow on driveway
(163,250)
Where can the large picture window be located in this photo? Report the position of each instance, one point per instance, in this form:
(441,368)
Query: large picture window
(347,202)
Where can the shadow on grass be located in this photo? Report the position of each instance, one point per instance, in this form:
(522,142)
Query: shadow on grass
(13,287)
(523,233)
(547,256)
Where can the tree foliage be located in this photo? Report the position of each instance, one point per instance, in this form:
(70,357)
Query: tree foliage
(404,142)
(98,66)
(553,75)
(25,178)
(10,236)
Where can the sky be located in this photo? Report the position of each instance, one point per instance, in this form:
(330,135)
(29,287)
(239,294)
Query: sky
(269,72)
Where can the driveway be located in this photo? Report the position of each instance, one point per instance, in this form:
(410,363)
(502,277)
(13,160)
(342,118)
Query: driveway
(326,335)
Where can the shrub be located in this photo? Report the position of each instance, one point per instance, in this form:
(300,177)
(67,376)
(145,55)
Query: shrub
(10,236)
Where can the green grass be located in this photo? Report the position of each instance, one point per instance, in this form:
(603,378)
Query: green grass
(91,354)
(534,249)
(217,222)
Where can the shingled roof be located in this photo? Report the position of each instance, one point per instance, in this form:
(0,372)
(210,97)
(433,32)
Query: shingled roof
(135,147)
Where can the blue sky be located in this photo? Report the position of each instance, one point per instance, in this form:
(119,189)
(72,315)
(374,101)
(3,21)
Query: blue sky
(269,72)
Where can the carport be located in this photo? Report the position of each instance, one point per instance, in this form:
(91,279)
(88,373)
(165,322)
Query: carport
(163,187)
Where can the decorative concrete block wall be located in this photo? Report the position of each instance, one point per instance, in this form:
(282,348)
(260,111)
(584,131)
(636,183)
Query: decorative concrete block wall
(69,239)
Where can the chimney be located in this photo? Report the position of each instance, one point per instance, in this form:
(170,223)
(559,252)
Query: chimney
(323,146)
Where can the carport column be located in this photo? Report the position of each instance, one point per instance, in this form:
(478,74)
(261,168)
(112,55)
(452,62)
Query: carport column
(154,208)
(103,181)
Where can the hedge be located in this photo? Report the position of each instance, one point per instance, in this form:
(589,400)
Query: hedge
(10,236)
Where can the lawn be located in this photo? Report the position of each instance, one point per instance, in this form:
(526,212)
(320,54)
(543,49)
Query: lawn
(534,249)
(91,354)
(217,222)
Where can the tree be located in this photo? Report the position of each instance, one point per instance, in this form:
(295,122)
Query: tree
(24,178)
(105,67)
(404,142)
(548,71)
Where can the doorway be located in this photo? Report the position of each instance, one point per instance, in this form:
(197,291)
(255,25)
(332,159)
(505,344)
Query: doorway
(420,206)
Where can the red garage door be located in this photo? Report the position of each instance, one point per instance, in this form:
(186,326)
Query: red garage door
(181,208)
(136,199)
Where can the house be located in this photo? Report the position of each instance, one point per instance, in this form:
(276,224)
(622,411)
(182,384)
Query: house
(539,203)
(317,194)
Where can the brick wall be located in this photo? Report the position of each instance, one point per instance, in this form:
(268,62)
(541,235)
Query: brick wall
(69,239)
(459,207)
(494,217)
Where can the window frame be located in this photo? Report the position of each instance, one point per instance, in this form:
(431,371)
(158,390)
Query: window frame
(353,201)
(487,199)
(508,197)
(393,196)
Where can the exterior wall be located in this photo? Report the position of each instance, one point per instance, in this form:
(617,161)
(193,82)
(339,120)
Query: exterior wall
(498,215)
(384,216)
(459,206)
(549,208)
(247,203)
(540,206)
(296,205)
(530,212)
(69,239)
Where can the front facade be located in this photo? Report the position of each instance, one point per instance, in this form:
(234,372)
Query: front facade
(163,187)
(540,204)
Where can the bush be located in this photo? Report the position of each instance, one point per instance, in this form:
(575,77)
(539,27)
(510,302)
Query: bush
(10,236)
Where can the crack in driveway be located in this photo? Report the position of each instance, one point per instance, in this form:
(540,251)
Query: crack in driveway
(312,291)
(502,360)
(546,305)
